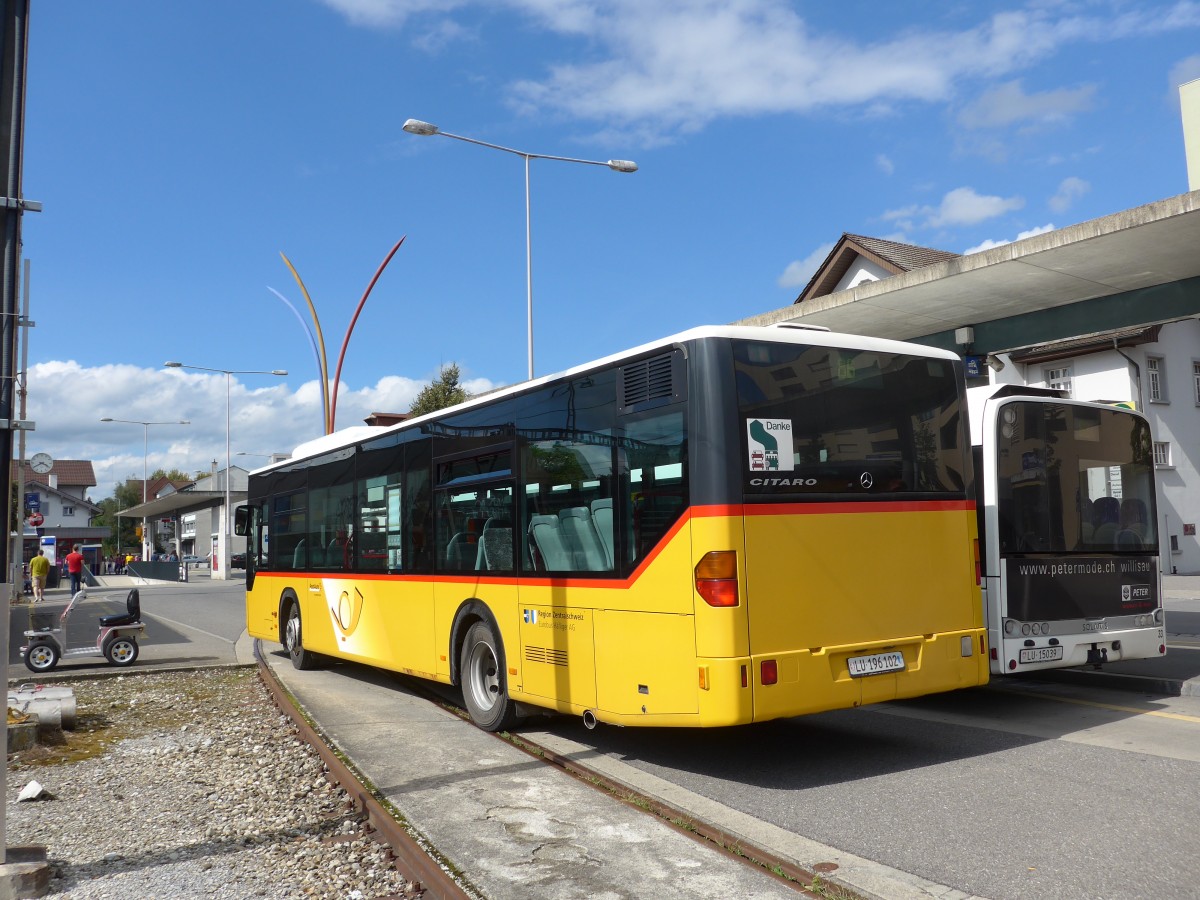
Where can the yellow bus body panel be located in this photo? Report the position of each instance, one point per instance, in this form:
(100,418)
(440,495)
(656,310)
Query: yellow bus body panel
(815,587)
(853,581)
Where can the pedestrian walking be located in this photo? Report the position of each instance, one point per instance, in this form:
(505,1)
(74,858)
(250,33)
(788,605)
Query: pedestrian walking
(39,571)
(75,569)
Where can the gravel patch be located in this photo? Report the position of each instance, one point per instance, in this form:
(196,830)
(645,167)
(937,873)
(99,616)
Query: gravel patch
(191,785)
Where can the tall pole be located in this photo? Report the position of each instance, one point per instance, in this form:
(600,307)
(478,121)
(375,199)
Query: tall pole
(225,531)
(416,126)
(145,488)
(225,550)
(145,475)
(528,270)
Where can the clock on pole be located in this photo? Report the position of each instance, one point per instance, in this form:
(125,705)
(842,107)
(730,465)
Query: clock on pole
(41,463)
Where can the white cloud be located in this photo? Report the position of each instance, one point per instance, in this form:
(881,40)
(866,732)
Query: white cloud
(1069,190)
(389,13)
(675,65)
(1009,104)
(797,273)
(67,402)
(1187,69)
(884,164)
(962,206)
(990,243)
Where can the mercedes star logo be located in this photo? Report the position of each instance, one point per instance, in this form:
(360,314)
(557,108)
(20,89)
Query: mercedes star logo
(866,480)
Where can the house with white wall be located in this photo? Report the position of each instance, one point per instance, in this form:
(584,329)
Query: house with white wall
(1109,308)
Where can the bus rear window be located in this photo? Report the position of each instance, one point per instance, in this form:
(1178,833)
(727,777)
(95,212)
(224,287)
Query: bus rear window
(829,420)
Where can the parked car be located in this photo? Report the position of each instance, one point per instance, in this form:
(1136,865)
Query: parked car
(237,561)
(195,560)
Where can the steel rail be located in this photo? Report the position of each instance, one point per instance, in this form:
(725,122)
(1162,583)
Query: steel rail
(783,870)
(432,880)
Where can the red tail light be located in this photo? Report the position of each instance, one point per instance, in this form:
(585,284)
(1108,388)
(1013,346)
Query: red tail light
(769,671)
(716,578)
(978,564)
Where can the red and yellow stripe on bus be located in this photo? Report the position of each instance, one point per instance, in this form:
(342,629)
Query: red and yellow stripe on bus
(816,584)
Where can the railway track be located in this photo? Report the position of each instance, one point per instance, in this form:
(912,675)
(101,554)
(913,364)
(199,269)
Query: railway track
(437,878)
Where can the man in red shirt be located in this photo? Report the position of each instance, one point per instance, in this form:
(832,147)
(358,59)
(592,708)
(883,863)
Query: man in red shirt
(75,569)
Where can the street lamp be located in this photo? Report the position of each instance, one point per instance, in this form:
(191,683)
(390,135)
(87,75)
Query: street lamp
(226,532)
(416,126)
(145,474)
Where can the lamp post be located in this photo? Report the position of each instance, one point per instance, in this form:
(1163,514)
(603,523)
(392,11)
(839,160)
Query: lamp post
(226,531)
(416,126)
(145,473)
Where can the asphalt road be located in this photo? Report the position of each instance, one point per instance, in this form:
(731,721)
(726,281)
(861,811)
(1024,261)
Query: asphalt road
(193,624)
(1028,787)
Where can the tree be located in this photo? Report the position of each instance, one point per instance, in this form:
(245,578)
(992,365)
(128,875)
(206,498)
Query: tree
(125,495)
(173,475)
(442,392)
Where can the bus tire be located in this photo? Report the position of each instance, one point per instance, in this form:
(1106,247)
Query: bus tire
(293,639)
(483,682)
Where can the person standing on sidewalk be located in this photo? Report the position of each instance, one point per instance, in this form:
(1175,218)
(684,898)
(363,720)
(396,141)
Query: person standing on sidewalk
(39,571)
(75,569)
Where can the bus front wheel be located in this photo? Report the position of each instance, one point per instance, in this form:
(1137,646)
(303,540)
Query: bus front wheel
(293,640)
(483,683)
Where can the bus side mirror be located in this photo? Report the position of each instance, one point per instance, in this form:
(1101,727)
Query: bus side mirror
(241,521)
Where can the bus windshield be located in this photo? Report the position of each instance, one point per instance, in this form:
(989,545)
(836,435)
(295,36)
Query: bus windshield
(828,420)
(1073,478)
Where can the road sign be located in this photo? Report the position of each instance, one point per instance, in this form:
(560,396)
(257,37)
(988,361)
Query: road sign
(36,519)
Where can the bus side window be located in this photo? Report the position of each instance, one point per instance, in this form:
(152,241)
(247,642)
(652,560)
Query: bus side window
(288,524)
(653,479)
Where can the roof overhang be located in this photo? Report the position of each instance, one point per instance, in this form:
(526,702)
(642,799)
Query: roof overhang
(180,502)
(1139,248)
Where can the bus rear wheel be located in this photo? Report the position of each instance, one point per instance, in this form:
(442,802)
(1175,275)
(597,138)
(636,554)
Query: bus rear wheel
(293,640)
(483,682)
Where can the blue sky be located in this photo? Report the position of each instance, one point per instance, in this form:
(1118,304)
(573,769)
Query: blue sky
(180,148)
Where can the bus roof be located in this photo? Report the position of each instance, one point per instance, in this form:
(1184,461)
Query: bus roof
(787,333)
(978,397)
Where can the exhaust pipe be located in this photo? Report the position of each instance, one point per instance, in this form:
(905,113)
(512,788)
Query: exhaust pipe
(589,719)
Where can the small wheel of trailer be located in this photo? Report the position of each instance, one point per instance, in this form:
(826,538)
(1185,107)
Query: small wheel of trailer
(121,651)
(42,656)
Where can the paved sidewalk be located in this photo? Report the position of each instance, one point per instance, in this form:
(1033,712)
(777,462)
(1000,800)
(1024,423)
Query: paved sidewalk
(517,827)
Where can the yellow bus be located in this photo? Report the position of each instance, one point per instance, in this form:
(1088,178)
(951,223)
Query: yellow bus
(729,525)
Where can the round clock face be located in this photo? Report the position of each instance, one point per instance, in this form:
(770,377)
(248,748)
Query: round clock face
(41,463)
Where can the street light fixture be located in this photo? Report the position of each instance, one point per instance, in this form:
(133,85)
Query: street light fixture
(145,467)
(226,531)
(416,126)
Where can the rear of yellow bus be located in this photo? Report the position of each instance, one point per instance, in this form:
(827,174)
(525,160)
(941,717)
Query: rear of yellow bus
(849,557)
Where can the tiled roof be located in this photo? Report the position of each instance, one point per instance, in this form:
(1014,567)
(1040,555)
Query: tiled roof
(70,472)
(892,256)
(1091,343)
(906,257)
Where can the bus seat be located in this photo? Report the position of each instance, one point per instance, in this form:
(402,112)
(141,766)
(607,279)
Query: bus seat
(1134,516)
(583,539)
(461,551)
(547,539)
(1128,539)
(1107,514)
(298,561)
(602,518)
(495,546)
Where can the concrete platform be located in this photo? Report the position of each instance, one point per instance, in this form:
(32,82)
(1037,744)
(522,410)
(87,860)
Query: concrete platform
(24,874)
